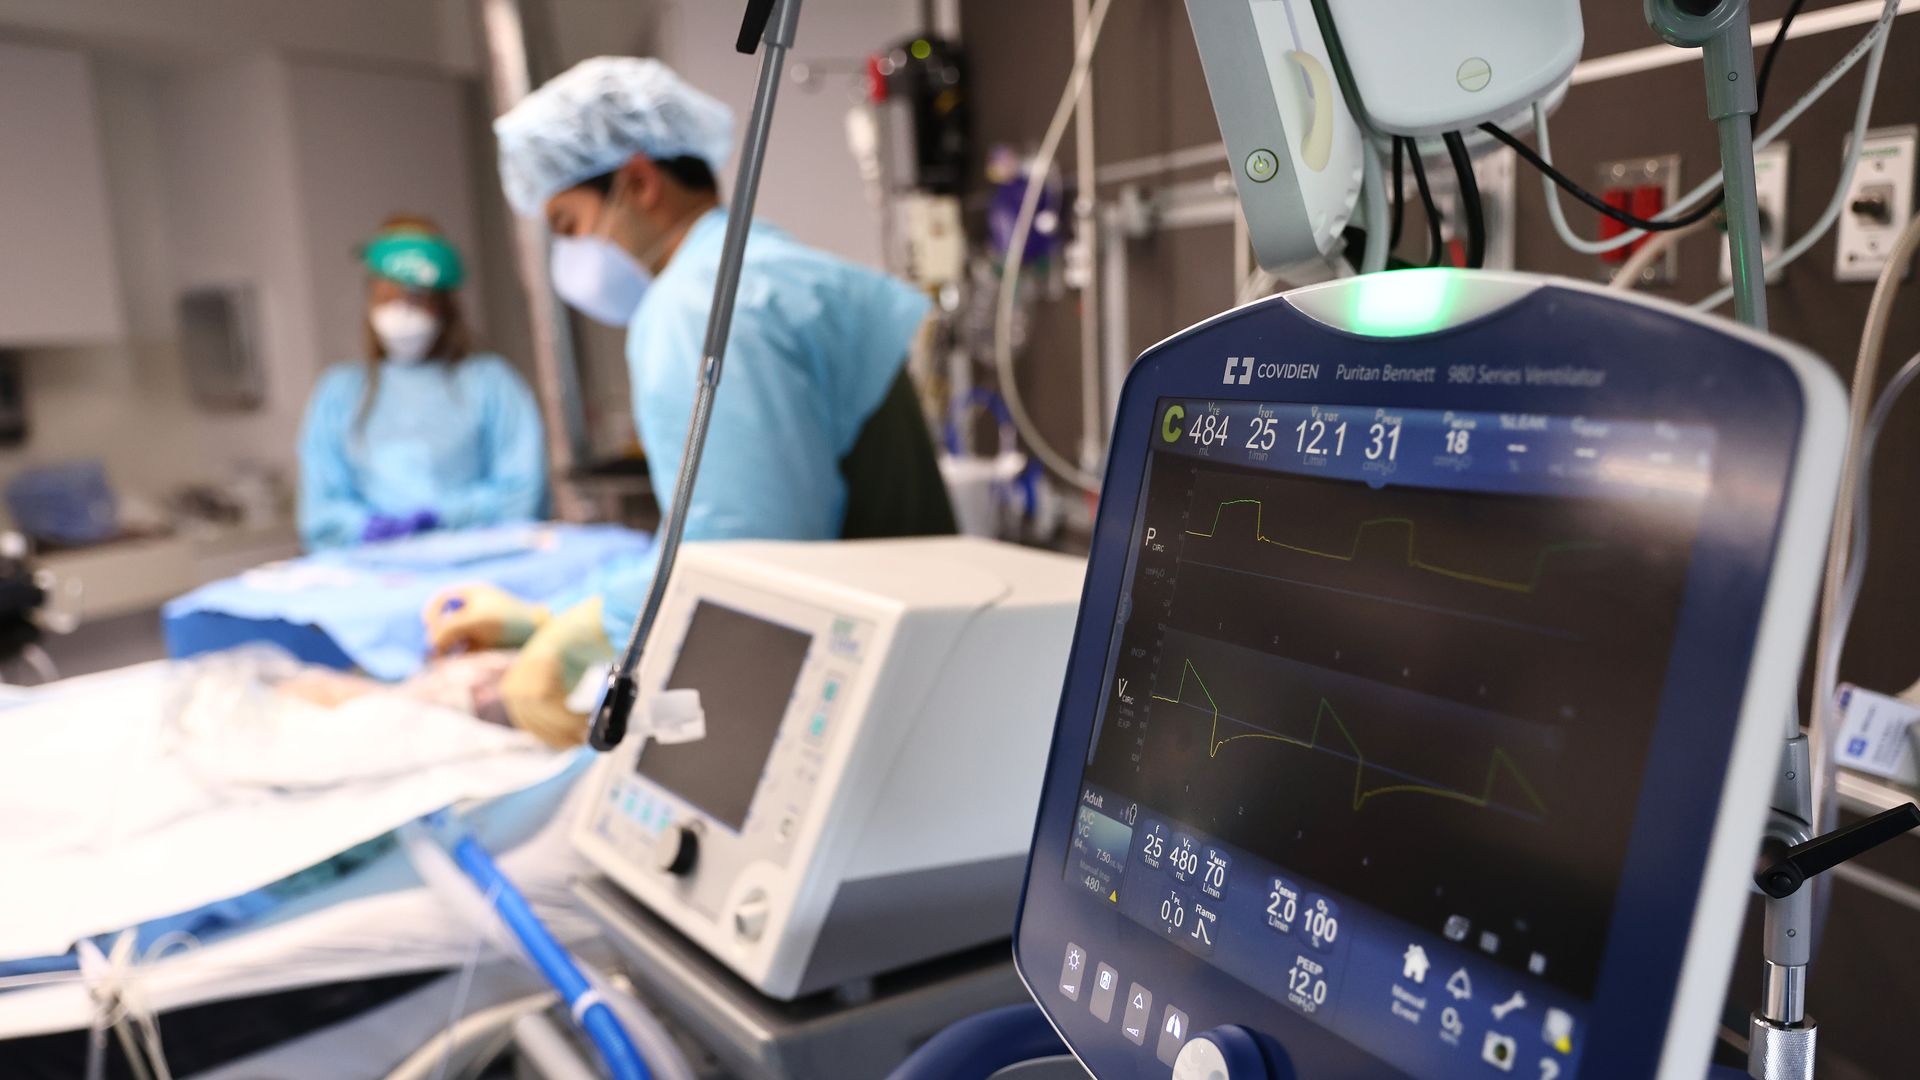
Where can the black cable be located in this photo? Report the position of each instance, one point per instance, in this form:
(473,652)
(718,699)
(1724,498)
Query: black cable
(1699,213)
(1399,194)
(1436,247)
(1766,64)
(1528,154)
(1470,206)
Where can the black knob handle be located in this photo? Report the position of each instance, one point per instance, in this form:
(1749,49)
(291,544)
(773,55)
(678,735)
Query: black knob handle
(1781,873)
(678,849)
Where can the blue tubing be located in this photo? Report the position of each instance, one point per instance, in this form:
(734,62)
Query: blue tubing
(617,1051)
(979,1046)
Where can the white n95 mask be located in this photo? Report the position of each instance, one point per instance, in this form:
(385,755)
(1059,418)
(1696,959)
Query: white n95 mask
(405,331)
(597,278)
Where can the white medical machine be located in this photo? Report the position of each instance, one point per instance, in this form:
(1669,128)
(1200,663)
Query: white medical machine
(1439,639)
(876,721)
(1423,68)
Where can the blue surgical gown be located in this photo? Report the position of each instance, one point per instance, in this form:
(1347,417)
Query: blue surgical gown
(816,344)
(461,440)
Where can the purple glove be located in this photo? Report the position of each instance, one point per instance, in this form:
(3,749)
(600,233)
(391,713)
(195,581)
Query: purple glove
(381,527)
(384,527)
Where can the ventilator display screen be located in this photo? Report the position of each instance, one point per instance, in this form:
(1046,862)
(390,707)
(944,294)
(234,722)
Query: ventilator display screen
(1381,698)
(745,669)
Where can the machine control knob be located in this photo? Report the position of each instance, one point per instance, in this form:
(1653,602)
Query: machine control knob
(750,918)
(677,848)
(1232,1053)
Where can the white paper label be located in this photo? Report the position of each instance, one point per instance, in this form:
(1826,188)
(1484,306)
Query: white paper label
(1873,734)
(674,716)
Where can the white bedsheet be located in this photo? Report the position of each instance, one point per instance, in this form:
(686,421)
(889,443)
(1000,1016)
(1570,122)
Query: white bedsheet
(380,921)
(158,789)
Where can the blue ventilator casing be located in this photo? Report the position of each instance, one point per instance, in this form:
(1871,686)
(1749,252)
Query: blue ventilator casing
(1440,638)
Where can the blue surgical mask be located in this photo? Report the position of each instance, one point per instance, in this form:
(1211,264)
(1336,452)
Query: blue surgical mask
(598,278)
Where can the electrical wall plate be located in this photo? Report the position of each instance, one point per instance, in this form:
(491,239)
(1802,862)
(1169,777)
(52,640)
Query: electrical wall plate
(1879,203)
(1630,174)
(1770,188)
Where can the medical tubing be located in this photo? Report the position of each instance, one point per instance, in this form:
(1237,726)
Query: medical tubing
(610,718)
(1373,183)
(1470,206)
(1862,116)
(979,1046)
(1744,259)
(1712,183)
(617,1051)
(1037,175)
(1436,247)
(1825,726)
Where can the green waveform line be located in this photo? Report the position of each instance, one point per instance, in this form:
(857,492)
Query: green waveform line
(1528,585)
(1496,761)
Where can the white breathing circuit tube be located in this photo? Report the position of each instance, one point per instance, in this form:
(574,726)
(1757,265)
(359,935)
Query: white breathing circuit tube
(1874,36)
(1847,545)
(1016,251)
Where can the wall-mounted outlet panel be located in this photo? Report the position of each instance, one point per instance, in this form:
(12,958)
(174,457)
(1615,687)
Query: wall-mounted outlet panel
(1879,203)
(1770,188)
(1643,187)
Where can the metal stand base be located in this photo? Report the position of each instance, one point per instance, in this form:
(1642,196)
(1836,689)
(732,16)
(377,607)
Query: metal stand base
(828,1036)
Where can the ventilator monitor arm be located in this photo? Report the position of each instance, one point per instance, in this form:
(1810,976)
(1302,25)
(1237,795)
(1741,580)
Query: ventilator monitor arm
(772,21)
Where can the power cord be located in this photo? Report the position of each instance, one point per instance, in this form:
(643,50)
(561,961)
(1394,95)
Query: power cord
(1399,193)
(1470,205)
(1699,213)
(1435,246)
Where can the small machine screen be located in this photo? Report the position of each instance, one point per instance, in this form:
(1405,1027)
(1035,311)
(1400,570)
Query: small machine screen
(745,669)
(1381,694)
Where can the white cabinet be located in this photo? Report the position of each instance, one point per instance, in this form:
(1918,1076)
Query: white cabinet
(59,280)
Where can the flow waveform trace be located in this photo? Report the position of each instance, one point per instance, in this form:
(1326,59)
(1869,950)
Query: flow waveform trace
(1526,586)
(1497,760)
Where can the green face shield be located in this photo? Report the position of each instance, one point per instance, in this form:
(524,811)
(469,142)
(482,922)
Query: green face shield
(414,259)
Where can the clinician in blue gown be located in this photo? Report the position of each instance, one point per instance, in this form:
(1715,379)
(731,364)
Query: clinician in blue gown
(425,433)
(817,433)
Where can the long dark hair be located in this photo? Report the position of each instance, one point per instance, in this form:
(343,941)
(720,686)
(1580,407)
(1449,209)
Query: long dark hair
(455,342)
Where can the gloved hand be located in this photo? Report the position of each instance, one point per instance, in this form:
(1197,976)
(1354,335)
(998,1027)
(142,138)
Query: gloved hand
(386,527)
(468,617)
(535,688)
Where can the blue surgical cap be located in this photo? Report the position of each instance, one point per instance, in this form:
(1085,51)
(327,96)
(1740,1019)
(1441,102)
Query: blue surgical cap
(590,119)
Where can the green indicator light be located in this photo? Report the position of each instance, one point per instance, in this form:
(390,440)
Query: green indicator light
(922,49)
(1404,303)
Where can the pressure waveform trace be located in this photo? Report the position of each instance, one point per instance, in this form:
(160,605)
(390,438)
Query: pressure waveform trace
(1528,585)
(1497,760)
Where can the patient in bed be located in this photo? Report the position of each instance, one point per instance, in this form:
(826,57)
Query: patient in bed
(468,683)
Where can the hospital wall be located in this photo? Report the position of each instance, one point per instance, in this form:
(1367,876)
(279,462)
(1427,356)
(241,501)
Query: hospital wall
(1151,99)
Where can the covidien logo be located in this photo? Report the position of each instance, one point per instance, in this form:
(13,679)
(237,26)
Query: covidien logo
(1239,370)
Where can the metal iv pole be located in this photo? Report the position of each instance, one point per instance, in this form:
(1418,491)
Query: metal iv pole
(772,21)
(1781,1035)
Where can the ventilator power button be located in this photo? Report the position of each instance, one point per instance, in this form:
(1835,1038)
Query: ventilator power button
(1261,166)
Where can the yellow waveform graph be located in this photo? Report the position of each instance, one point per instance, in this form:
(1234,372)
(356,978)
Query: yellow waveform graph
(1526,585)
(1497,760)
